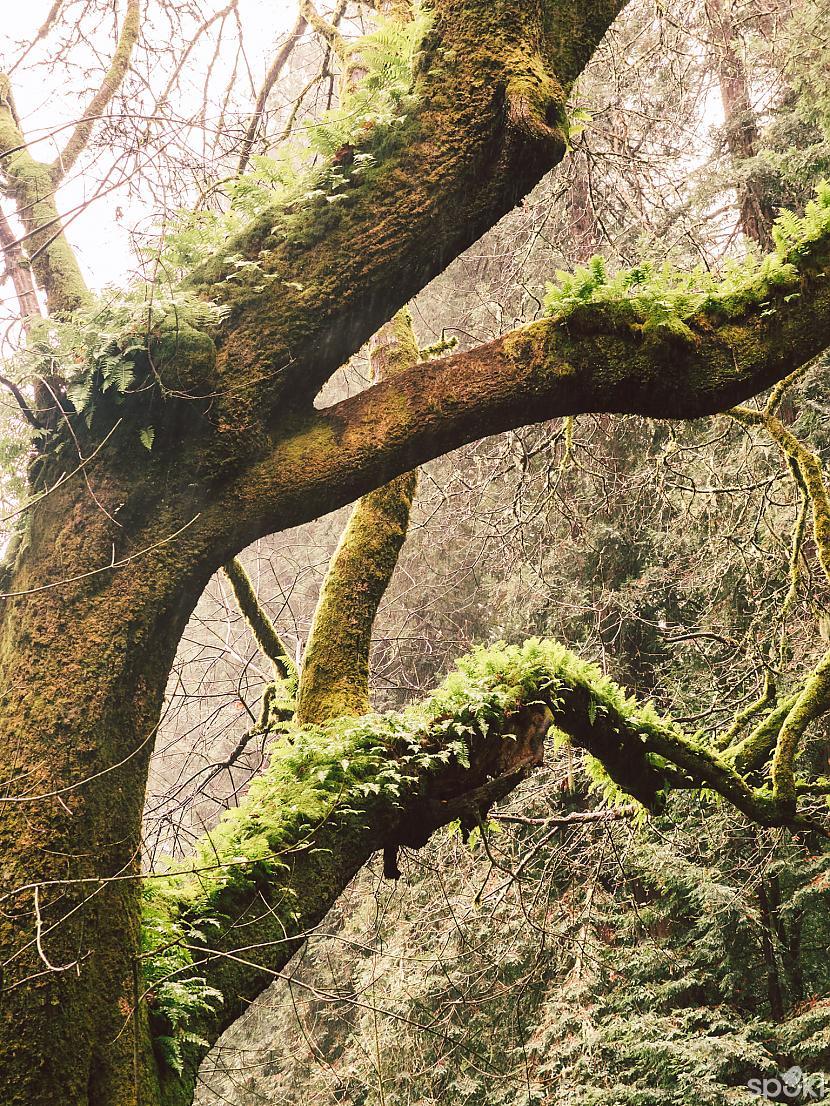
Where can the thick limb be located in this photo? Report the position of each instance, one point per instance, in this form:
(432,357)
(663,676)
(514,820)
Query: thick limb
(335,671)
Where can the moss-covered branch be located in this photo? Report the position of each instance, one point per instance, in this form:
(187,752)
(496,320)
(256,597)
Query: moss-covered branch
(327,31)
(109,86)
(335,671)
(486,121)
(813,699)
(31,186)
(599,356)
(257,618)
(339,791)
(32,183)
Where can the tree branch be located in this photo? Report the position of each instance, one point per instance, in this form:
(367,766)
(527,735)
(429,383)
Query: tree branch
(335,671)
(17,269)
(488,125)
(109,86)
(257,618)
(600,358)
(271,77)
(338,792)
(31,186)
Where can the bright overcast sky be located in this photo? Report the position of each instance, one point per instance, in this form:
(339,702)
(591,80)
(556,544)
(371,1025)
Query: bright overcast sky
(101,242)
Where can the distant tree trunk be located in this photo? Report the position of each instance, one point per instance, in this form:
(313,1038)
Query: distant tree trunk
(792,958)
(774,990)
(757,213)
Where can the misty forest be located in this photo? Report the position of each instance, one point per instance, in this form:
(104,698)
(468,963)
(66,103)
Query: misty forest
(414,552)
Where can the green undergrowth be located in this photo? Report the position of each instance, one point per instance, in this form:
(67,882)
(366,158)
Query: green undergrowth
(665,298)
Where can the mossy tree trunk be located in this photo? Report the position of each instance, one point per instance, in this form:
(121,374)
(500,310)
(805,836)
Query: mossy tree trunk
(335,674)
(112,562)
(83,668)
(114,557)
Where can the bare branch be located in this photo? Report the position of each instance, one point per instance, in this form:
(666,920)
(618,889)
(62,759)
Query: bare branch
(271,77)
(109,86)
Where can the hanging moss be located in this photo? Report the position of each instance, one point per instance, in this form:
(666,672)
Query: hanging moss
(814,697)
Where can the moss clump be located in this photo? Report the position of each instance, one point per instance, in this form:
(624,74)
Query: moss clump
(352,768)
(367,775)
(665,299)
(183,358)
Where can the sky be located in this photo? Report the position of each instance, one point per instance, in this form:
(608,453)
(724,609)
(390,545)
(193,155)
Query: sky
(102,241)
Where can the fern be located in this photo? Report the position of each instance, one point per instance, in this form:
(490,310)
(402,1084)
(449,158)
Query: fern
(176,997)
(95,350)
(367,115)
(388,53)
(666,298)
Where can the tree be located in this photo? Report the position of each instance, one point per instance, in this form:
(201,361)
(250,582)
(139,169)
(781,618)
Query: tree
(219,378)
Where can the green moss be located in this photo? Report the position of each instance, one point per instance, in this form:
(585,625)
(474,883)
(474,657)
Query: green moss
(343,768)
(532,85)
(665,300)
(183,357)
(812,702)
(335,672)
(32,185)
(347,774)
(257,618)
(299,449)
(751,754)
(814,697)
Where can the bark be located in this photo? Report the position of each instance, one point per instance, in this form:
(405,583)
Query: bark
(775,995)
(335,672)
(112,560)
(82,672)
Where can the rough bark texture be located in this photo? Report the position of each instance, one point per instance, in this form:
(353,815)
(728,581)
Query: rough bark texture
(100,588)
(335,673)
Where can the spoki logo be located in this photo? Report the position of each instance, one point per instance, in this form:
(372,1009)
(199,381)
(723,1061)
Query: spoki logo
(794,1085)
